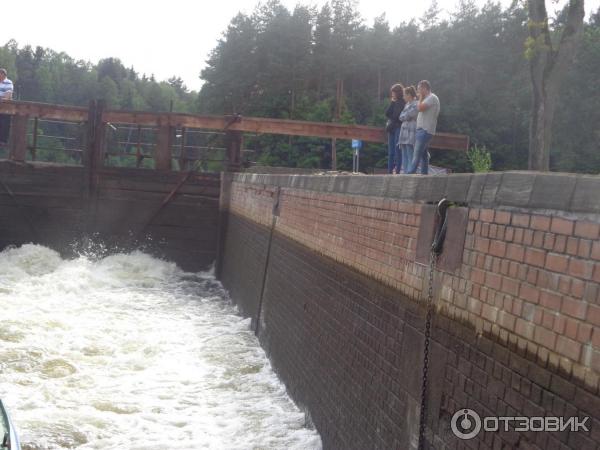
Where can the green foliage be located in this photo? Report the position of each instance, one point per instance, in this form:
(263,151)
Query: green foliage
(44,75)
(480,158)
(476,62)
(47,76)
(576,141)
(290,64)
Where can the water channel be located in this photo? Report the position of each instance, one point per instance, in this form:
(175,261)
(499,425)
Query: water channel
(129,352)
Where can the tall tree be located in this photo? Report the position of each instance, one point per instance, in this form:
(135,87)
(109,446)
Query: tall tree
(548,66)
(231,72)
(322,47)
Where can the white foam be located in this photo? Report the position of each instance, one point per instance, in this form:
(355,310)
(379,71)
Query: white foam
(129,352)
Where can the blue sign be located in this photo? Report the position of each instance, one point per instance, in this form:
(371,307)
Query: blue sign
(356,143)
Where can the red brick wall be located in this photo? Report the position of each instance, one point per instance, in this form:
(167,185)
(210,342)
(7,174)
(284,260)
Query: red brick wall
(529,279)
(518,325)
(534,280)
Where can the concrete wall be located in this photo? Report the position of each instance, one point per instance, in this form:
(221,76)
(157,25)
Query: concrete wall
(54,206)
(338,300)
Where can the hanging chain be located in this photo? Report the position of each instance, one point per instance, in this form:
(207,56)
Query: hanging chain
(429,305)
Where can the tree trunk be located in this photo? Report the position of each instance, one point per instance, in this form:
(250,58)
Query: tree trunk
(319,83)
(540,134)
(379,85)
(292,108)
(547,69)
(339,94)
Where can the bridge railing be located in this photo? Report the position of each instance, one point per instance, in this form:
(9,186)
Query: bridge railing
(162,140)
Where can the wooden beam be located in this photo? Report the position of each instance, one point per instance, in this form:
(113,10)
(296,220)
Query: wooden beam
(233,145)
(450,141)
(314,129)
(149,119)
(447,141)
(162,151)
(250,124)
(18,138)
(99,136)
(88,154)
(45,111)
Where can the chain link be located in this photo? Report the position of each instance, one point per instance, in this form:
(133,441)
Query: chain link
(429,306)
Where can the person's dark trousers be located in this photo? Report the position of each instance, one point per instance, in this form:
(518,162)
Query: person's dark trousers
(422,140)
(398,158)
(392,142)
(4,128)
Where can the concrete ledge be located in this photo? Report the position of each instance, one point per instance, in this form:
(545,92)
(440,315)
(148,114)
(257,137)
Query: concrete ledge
(515,189)
(518,189)
(553,191)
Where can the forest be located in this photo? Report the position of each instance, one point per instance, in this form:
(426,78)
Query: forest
(327,64)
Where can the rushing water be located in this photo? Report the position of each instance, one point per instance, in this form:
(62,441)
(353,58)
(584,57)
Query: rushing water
(129,352)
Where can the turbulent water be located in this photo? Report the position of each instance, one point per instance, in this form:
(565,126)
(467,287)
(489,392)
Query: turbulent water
(129,352)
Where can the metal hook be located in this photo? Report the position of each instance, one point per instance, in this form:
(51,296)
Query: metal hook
(440,234)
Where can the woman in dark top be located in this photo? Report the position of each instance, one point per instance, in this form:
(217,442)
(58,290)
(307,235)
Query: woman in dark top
(393,126)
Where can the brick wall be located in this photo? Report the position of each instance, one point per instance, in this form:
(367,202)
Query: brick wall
(518,323)
(245,253)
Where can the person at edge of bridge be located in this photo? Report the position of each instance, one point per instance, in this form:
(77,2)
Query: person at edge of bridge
(429,110)
(406,140)
(392,126)
(6,91)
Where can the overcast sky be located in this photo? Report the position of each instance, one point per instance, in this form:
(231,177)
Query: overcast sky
(165,38)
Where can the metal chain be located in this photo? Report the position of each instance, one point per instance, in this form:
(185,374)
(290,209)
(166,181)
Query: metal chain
(429,305)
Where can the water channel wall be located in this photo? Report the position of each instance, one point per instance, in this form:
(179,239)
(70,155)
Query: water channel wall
(59,206)
(333,272)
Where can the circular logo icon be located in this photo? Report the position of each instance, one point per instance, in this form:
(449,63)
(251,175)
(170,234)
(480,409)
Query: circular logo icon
(465,424)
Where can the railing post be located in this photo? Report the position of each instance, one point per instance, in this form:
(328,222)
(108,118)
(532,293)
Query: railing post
(89,137)
(333,154)
(99,135)
(162,151)
(183,161)
(18,138)
(93,157)
(233,150)
(33,147)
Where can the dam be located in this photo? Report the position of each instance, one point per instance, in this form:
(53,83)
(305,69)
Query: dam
(329,274)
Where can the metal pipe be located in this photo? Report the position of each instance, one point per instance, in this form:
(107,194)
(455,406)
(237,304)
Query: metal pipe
(35,135)
(138,151)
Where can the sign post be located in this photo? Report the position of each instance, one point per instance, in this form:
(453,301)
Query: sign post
(356,146)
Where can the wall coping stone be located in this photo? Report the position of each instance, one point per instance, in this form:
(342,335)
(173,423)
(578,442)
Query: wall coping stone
(565,192)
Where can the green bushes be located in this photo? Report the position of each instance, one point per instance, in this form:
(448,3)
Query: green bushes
(480,159)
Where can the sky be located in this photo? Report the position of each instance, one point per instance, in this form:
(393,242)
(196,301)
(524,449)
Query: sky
(164,38)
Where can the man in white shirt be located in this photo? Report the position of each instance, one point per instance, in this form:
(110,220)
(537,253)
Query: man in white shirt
(6,91)
(429,110)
